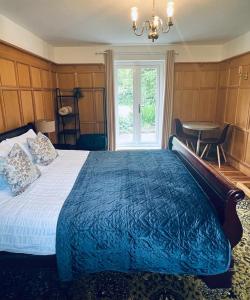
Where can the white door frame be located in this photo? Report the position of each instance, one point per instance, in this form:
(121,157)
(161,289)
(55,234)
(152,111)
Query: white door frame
(136,65)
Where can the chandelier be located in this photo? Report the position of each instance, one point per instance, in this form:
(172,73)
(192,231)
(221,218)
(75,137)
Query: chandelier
(155,25)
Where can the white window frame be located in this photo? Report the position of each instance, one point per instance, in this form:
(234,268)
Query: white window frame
(135,65)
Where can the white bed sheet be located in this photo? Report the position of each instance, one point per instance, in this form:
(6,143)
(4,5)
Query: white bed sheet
(28,222)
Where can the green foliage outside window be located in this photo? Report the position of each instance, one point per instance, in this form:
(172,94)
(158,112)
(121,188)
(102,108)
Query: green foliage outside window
(125,98)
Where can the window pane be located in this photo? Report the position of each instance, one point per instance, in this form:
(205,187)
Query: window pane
(125,105)
(148,104)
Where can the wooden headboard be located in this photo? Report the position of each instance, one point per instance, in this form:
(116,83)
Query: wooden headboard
(16,132)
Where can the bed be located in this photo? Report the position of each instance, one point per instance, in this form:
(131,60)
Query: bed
(36,236)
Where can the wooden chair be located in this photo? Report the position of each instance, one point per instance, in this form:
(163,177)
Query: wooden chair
(183,136)
(218,142)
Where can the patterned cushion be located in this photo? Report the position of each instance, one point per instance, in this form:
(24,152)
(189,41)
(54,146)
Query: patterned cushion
(42,150)
(19,171)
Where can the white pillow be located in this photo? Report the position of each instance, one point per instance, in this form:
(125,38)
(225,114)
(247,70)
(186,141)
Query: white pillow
(21,140)
(4,148)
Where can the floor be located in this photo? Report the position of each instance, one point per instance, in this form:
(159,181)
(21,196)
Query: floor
(238,178)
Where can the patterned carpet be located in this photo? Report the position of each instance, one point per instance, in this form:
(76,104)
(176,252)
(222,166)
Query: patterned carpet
(45,285)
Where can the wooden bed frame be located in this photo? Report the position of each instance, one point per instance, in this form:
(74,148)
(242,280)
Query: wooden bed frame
(223,195)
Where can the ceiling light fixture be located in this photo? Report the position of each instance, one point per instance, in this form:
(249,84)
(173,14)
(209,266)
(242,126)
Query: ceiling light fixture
(155,25)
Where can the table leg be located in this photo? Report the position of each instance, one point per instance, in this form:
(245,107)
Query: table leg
(198,143)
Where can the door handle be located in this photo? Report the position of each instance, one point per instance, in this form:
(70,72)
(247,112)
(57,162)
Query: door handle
(139,107)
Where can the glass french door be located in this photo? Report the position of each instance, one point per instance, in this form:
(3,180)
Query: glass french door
(138,104)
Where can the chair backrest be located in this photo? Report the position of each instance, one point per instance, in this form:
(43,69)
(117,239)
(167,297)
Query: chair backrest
(178,127)
(224,134)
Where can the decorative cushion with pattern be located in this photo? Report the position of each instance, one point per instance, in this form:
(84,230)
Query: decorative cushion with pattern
(19,171)
(42,150)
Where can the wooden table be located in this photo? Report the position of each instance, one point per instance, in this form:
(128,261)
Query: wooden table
(200,127)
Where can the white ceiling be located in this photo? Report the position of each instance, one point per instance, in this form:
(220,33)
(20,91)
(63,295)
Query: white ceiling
(79,22)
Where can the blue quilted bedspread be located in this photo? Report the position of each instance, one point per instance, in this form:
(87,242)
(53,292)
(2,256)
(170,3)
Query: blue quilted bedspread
(136,211)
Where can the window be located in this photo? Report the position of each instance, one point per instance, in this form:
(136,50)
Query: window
(139,94)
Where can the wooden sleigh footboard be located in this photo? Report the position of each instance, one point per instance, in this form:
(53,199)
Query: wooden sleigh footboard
(223,195)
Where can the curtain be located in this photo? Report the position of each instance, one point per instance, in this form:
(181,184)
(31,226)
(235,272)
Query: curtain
(168,98)
(110,99)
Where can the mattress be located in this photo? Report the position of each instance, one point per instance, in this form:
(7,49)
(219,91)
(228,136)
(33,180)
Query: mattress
(28,222)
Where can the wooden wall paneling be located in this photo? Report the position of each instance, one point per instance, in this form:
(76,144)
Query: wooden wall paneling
(7,73)
(98,79)
(99,116)
(66,80)
(245,77)
(220,106)
(177,104)
(98,100)
(27,106)
(49,105)
(247,158)
(178,80)
(11,109)
(2,125)
(191,79)
(189,101)
(88,127)
(54,83)
(234,76)
(87,113)
(223,78)
(36,77)
(12,53)
(209,79)
(85,80)
(242,110)
(23,72)
(206,107)
(238,147)
(86,107)
(39,105)
(46,79)
(230,110)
